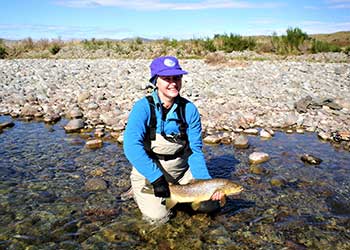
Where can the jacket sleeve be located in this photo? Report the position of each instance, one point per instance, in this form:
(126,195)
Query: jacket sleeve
(196,160)
(134,135)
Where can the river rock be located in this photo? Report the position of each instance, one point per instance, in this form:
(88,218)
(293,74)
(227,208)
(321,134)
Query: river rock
(264,134)
(4,125)
(278,181)
(257,169)
(94,144)
(212,139)
(83,96)
(75,113)
(74,125)
(324,136)
(241,142)
(251,131)
(96,184)
(258,157)
(310,159)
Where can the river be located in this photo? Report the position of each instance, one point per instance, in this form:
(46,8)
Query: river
(289,204)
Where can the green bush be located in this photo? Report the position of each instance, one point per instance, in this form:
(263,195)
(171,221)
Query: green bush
(54,49)
(232,42)
(3,52)
(320,46)
(290,43)
(347,50)
(208,44)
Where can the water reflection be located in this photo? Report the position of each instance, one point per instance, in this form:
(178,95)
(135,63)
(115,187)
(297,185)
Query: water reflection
(44,201)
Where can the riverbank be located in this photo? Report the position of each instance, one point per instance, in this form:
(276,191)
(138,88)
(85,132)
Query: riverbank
(231,96)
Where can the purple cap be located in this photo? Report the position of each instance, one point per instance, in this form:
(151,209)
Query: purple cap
(165,66)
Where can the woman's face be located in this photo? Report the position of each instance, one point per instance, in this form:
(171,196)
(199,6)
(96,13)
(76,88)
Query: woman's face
(169,86)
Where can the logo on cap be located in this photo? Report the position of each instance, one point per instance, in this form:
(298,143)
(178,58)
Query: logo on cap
(168,62)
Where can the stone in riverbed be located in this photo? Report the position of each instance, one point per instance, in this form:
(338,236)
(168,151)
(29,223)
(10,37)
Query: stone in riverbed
(251,131)
(258,157)
(74,125)
(310,159)
(265,134)
(278,181)
(52,118)
(94,144)
(323,135)
(241,142)
(96,184)
(257,169)
(6,125)
(212,139)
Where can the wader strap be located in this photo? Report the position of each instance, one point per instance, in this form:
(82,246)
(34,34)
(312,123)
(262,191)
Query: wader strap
(180,111)
(153,119)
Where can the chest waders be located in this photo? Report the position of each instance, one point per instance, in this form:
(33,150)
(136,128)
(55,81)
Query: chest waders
(170,153)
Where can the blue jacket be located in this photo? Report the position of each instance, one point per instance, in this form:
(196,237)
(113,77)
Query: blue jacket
(135,132)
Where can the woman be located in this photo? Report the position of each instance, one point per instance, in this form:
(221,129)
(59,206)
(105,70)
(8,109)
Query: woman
(163,140)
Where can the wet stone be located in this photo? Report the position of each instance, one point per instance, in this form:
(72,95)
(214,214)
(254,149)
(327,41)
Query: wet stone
(4,125)
(96,184)
(278,181)
(212,139)
(258,157)
(265,134)
(310,159)
(241,142)
(74,125)
(94,144)
(257,169)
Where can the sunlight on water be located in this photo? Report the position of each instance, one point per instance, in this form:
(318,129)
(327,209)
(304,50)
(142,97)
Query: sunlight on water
(45,201)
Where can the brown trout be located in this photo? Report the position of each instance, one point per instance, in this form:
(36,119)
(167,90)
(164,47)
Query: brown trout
(198,191)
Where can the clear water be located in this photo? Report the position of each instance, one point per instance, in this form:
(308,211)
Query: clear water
(44,203)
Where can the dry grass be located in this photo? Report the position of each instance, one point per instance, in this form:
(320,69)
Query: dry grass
(140,48)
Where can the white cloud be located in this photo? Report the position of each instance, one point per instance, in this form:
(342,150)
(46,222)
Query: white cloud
(20,31)
(338,4)
(161,5)
(315,27)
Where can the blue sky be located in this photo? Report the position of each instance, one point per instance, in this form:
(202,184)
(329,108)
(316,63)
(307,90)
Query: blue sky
(173,19)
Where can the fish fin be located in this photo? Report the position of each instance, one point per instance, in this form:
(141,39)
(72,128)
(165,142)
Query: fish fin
(169,203)
(223,201)
(195,205)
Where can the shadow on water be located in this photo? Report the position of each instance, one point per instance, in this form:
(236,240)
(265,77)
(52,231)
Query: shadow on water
(221,166)
(45,202)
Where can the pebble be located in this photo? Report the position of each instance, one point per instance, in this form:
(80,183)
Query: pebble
(96,184)
(74,125)
(258,157)
(310,159)
(94,144)
(278,181)
(232,97)
(265,134)
(241,142)
(212,139)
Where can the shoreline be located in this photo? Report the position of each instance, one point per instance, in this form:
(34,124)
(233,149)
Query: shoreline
(231,97)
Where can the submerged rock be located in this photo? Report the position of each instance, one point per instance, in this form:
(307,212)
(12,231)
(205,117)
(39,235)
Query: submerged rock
(258,157)
(6,125)
(278,181)
(212,139)
(74,125)
(94,144)
(310,159)
(241,142)
(96,184)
